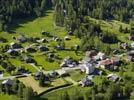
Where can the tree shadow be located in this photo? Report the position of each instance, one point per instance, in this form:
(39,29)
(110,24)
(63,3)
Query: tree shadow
(16,23)
(39,98)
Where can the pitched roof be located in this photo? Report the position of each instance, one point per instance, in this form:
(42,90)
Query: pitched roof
(8,82)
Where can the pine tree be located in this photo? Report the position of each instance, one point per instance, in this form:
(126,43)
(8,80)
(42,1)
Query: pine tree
(42,80)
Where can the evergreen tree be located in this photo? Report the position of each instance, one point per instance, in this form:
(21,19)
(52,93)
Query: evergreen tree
(42,80)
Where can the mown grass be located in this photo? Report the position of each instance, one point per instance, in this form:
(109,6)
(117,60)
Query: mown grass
(77,75)
(7,97)
(70,90)
(31,82)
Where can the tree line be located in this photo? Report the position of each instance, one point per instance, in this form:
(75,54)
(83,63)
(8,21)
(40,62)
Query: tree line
(100,9)
(18,89)
(14,9)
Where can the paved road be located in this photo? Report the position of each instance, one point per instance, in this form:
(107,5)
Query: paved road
(58,70)
(12,77)
(35,67)
(62,70)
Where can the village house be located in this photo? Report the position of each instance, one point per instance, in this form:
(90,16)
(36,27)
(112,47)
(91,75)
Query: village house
(131,37)
(87,81)
(90,54)
(70,33)
(113,77)
(55,38)
(51,55)
(44,40)
(68,62)
(22,38)
(37,75)
(62,72)
(76,47)
(43,48)
(13,52)
(45,33)
(110,63)
(87,67)
(100,56)
(30,49)
(15,46)
(58,47)
(116,51)
(8,82)
(105,63)
(132,45)
(124,46)
(28,59)
(131,55)
(33,39)
(22,70)
(65,12)
(53,74)
(87,59)
(67,38)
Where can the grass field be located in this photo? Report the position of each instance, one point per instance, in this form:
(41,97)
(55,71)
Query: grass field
(77,75)
(7,97)
(31,82)
(70,90)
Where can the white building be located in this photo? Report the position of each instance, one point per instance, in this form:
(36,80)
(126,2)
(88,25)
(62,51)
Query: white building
(87,67)
(132,45)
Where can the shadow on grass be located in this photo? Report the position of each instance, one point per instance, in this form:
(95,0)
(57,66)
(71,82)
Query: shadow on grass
(16,23)
(39,98)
